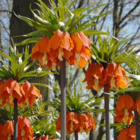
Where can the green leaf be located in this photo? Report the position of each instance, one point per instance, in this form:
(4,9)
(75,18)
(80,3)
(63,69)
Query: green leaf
(26,19)
(44,85)
(129,89)
(5,55)
(94,32)
(32,34)
(27,41)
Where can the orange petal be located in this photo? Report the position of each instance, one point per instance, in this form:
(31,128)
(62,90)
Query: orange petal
(82,63)
(128,101)
(86,41)
(56,39)
(44,45)
(85,53)
(120,103)
(58,124)
(8,128)
(78,42)
(123,134)
(35,52)
(65,43)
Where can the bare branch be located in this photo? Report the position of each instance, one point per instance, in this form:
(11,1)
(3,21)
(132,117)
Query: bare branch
(74,78)
(121,9)
(136,5)
(5,27)
(6,11)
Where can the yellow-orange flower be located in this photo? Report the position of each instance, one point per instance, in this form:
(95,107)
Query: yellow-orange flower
(29,92)
(10,90)
(25,130)
(94,76)
(7,130)
(114,76)
(125,106)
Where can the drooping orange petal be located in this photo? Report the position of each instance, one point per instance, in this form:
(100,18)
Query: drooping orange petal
(78,42)
(123,134)
(138,104)
(56,39)
(67,54)
(82,63)
(29,93)
(85,53)
(8,128)
(120,103)
(72,116)
(16,92)
(128,101)
(44,45)
(86,41)
(65,43)
(58,124)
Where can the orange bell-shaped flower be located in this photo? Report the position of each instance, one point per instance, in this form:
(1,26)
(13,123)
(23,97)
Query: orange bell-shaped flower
(82,49)
(10,90)
(8,130)
(2,102)
(2,136)
(94,76)
(86,123)
(29,92)
(25,130)
(123,135)
(125,106)
(72,122)
(114,75)
(127,133)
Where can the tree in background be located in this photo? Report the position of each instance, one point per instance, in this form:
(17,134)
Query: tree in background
(123,13)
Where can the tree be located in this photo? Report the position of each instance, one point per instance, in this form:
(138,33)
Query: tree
(124,14)
(18,27)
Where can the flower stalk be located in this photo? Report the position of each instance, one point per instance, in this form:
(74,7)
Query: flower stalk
(106,98)
(137,124)
(63,99)
(15,119)
(76,135)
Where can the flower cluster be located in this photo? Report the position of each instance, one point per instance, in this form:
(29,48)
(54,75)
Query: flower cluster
(25,130)
(128,133)
(124,109)
(76,122)
(6,130)
(25,94)
(113,75)
(74,48)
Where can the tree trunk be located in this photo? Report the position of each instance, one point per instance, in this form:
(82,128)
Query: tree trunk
(19,27)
